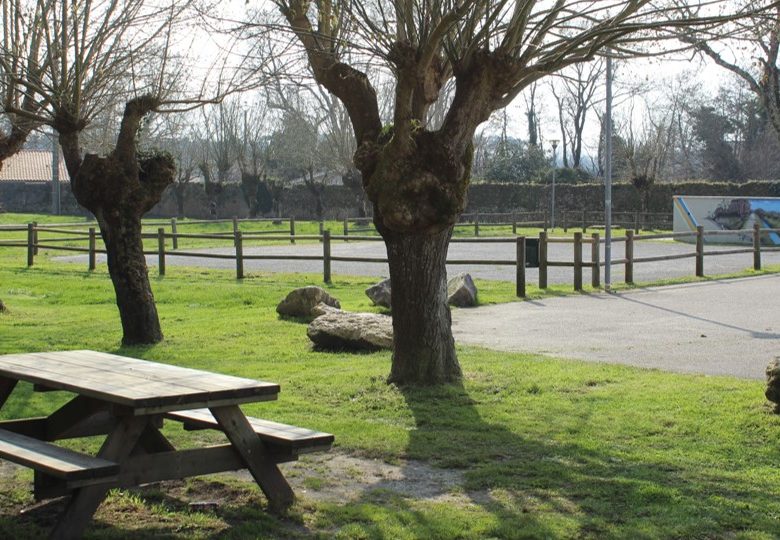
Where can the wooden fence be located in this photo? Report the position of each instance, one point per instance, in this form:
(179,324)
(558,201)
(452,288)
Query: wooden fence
(37,237)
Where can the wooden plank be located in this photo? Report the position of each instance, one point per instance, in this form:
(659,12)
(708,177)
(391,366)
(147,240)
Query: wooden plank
(7,386)
(54,460)
(131,382)
(265,472)
(273,432)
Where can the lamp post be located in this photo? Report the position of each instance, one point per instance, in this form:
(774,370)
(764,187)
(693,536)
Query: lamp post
(554,143)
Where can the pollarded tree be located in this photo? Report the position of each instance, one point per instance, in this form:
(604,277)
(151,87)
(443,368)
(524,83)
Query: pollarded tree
(417,177)
(100,53)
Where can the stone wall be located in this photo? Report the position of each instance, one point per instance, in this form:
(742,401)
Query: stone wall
(339,202)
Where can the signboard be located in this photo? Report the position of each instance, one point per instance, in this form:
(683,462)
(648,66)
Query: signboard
(728,214)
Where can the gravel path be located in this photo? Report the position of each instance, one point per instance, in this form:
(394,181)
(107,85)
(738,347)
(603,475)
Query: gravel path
(729,327)
(643,272)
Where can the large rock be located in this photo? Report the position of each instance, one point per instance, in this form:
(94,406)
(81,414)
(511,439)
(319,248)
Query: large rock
(299,303)
(461,291)
(340,330)
(773,382)
(380,293)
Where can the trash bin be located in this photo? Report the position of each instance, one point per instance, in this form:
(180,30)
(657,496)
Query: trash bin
(532,253)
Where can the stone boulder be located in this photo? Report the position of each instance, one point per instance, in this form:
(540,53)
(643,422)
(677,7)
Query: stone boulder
(323,309)
(461,291)
(342,330)
(300,302)
(773,383)
(380,293)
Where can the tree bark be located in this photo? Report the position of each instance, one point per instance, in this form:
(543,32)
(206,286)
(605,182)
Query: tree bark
(121,233)
(423,346)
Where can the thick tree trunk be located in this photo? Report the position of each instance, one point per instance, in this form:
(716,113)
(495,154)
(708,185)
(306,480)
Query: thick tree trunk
(127,266)
(119,189)
(423,346)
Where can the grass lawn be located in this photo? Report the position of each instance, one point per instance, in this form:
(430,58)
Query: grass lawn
(532,447)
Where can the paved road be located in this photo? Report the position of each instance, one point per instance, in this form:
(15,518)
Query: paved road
(729,327)
(643,272)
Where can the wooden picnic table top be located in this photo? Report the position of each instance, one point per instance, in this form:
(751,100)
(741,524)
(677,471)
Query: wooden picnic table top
(146,387)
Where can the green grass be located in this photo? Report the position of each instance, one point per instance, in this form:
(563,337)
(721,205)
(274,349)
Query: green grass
(546,448)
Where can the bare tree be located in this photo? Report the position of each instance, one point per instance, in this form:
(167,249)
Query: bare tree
(417,177)
(100,53)
(759,69)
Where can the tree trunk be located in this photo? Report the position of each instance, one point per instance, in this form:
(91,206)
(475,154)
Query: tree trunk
(119,189)
(121,233)
(423,346)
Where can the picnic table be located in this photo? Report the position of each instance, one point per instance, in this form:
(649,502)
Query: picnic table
(127,400)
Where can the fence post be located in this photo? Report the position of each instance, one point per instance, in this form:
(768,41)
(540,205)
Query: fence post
(595,259)
(476,224)
(292,229)
(326,256)
(35,237)
(584,223)
(346,228)
(543,260)
(565,221)
(700,251)
(92,264)
(514,223)
(629,256)
(545,220)
(235,226)
(520,267)
(578,261)
(756,246)
(237,240)
(174,232)
(30,243)
(636,222)
(161,250)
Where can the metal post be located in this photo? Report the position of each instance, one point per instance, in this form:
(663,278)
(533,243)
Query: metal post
(542,260)
(608,182)
(35,237)
(326,256)
(552,197)
(700,251)
(595,260)
(629,256)
(174,234)
(92,242)
(161,250)
(578,261)
(756,246)
(520,267)
(30,244)
(239,255)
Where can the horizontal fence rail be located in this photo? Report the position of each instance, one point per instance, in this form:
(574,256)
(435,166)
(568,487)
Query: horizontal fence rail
(53,237)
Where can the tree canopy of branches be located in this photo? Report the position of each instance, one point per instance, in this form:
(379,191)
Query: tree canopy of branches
(416,176)
(760,36)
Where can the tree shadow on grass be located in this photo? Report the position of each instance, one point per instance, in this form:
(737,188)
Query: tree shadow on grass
(517,486)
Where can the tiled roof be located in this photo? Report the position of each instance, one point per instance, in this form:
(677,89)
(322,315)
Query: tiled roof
(31,166)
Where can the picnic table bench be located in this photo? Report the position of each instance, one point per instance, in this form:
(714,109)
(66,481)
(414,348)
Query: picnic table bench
(127,400)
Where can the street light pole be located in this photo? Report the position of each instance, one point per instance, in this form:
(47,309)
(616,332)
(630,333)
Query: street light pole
(554,143)
(608,183)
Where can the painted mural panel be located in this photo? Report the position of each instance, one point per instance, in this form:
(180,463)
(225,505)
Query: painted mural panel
(738,214)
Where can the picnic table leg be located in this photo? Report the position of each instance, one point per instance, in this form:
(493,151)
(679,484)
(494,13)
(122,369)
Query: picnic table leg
(85,501)
(265,472)
(6,387)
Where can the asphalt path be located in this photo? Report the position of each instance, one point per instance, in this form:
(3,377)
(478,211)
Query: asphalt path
(643,272)
(722,327)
